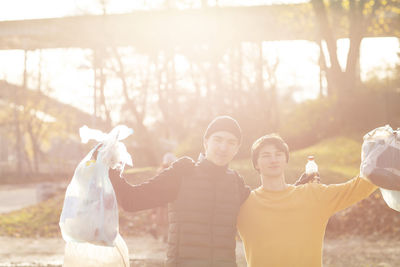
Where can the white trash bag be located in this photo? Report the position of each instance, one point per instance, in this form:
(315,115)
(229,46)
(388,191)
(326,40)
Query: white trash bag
(89,218)
(380,162)
(89,255)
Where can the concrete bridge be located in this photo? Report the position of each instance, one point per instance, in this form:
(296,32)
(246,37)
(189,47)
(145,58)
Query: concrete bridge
(156,29)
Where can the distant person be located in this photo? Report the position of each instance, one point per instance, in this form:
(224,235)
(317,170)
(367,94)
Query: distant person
(282,224)
(204,199)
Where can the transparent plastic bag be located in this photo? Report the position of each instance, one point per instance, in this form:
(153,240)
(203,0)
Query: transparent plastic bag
(380,162)
(88,255)
(89,218)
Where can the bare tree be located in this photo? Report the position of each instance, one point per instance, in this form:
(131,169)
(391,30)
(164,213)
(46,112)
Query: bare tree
(359,15)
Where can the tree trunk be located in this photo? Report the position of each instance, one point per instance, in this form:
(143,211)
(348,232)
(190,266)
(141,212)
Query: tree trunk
(355,36)
(103,98)
(18,144)
(334,74)
(39,84)
(94,88)
(35,148)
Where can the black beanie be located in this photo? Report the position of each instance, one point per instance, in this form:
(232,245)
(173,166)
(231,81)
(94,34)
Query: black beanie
(224,123)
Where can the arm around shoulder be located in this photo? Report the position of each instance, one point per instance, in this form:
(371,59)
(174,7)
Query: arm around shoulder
(244,190)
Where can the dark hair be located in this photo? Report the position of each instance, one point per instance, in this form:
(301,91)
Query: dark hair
(269,139)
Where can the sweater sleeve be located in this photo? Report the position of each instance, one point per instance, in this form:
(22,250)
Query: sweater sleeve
(336,197)
(159,190)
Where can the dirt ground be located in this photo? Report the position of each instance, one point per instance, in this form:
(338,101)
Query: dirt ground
(361,252)
(148,252)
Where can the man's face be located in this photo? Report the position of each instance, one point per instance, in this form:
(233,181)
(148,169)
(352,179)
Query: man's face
(271,162)
(221,147)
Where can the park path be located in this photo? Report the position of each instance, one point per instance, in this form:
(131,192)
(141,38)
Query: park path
(14,197)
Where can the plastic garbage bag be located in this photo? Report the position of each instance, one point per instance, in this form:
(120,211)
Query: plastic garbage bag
(89,218)
(380,162)
(89,255)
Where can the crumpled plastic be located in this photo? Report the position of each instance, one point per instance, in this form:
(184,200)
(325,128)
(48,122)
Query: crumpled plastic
(113,152)
(380,162)
(89,218)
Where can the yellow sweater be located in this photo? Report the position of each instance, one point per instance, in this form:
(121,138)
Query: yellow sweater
(287,228)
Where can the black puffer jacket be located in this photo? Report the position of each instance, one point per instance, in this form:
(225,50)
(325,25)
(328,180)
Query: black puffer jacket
(202,219)
(204,200)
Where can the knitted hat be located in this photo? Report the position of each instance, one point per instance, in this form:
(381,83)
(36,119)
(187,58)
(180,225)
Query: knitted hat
(224,123)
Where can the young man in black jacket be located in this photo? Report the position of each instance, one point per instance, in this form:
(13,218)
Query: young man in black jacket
(203,200)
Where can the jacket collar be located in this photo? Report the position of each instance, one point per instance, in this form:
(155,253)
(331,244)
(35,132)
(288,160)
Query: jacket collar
(207,166)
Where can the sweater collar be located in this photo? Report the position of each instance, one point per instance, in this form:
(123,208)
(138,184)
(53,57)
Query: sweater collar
(262,191)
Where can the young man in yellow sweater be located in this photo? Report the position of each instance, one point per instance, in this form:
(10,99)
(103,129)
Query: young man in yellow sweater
(284,225)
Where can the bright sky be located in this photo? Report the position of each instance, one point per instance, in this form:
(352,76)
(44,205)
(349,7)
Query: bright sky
(63,70)
(32,9)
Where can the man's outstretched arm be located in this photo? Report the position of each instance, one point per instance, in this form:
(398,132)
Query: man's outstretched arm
(159,190)
(337,197)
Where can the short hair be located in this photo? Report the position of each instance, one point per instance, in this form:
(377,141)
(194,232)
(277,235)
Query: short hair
(269,139)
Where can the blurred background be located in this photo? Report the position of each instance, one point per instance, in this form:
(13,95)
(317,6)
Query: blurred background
(308,70)
(319,73)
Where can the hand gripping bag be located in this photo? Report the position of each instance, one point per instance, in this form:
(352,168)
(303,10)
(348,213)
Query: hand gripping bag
(89,218)
(380,162)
